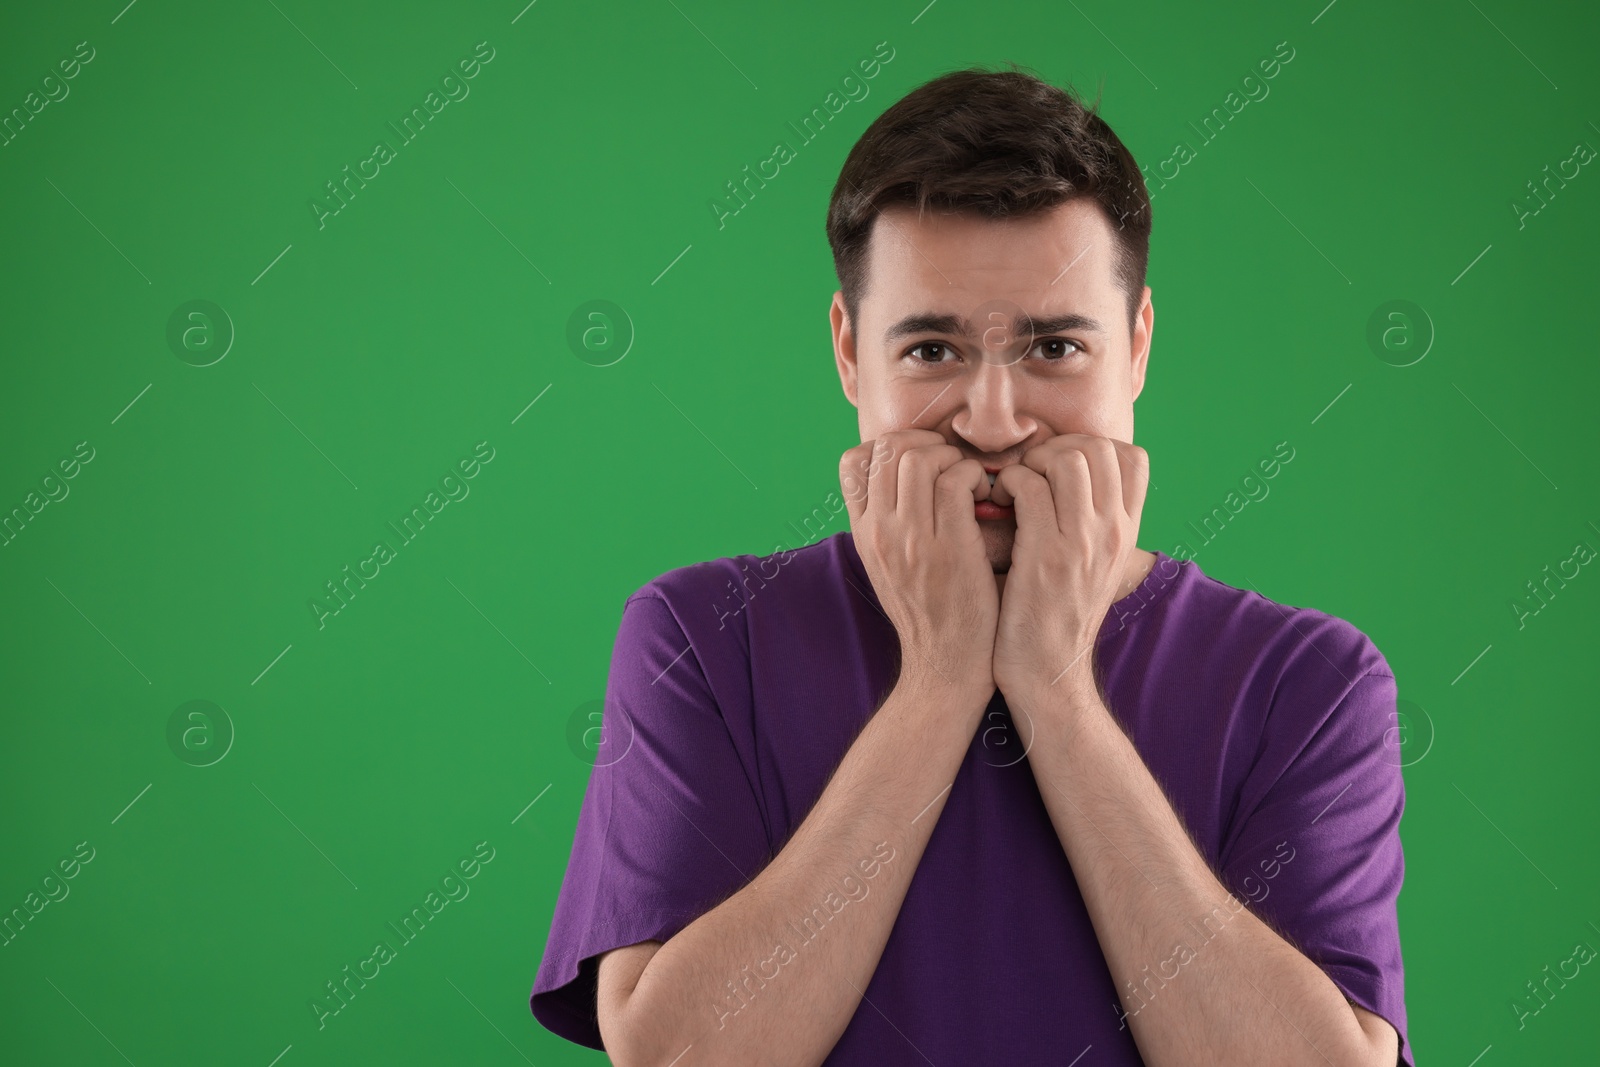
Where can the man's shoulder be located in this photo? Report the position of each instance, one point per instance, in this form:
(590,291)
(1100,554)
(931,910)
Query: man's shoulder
(1268,632)
(711,594)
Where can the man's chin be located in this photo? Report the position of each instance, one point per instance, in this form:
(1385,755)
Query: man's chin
(997,541)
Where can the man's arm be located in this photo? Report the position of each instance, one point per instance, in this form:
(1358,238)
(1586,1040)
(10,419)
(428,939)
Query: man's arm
(773,974)
(1244,995)
(743,984)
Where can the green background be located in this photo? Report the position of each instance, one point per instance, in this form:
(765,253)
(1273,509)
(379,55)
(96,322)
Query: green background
(371,354)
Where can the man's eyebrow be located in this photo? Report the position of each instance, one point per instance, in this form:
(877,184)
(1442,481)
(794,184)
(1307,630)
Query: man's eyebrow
(1023,325)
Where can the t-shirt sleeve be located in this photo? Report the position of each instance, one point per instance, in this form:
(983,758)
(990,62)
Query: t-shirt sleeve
(1316,849)
(669,826)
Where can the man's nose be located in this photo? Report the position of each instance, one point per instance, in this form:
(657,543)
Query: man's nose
(990,420)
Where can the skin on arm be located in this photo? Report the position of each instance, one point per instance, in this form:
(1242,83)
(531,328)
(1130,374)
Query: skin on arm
(619,974)
(1381,1033)
(926,347)
(749,982)
(658,1000)
(1246,996)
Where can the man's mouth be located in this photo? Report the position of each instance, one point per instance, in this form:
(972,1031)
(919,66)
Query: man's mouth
(988,509)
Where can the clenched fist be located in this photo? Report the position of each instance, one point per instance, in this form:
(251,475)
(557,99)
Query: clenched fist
(910,497)
(1078,499)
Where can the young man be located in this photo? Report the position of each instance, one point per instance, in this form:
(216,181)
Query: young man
(980,781)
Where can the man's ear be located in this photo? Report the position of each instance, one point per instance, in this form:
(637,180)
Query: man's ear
(1144,327)
(844,347)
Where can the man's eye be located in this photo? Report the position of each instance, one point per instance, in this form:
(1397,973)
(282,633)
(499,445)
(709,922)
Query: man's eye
(1058,349)
(929,345)
(1052,349)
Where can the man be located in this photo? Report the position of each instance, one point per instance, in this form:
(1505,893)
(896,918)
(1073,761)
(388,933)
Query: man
(980,781)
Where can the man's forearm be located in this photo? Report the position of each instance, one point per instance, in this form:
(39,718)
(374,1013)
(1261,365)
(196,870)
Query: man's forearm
(1243,994)
(773,974)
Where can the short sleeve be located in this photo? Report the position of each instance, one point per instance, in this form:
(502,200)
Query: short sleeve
(669,826)
(1315,848)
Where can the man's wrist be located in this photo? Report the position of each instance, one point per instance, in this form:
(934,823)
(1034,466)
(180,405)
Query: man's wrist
(947,689)
(1071,694)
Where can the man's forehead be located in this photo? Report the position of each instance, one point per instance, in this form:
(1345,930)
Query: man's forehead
(987,258)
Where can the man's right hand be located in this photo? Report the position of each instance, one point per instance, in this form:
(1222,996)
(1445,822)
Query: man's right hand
(910,497)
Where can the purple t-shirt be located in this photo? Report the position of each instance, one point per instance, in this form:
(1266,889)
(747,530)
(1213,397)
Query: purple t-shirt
(738,684)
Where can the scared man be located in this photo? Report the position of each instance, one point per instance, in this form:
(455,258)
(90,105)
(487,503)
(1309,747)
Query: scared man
(981,781)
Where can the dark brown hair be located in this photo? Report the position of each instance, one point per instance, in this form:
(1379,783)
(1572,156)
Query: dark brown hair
(1002,144)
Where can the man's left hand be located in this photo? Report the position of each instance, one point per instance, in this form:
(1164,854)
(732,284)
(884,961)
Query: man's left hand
(1078,499)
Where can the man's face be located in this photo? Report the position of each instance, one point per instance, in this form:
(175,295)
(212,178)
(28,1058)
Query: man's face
(1035,341)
